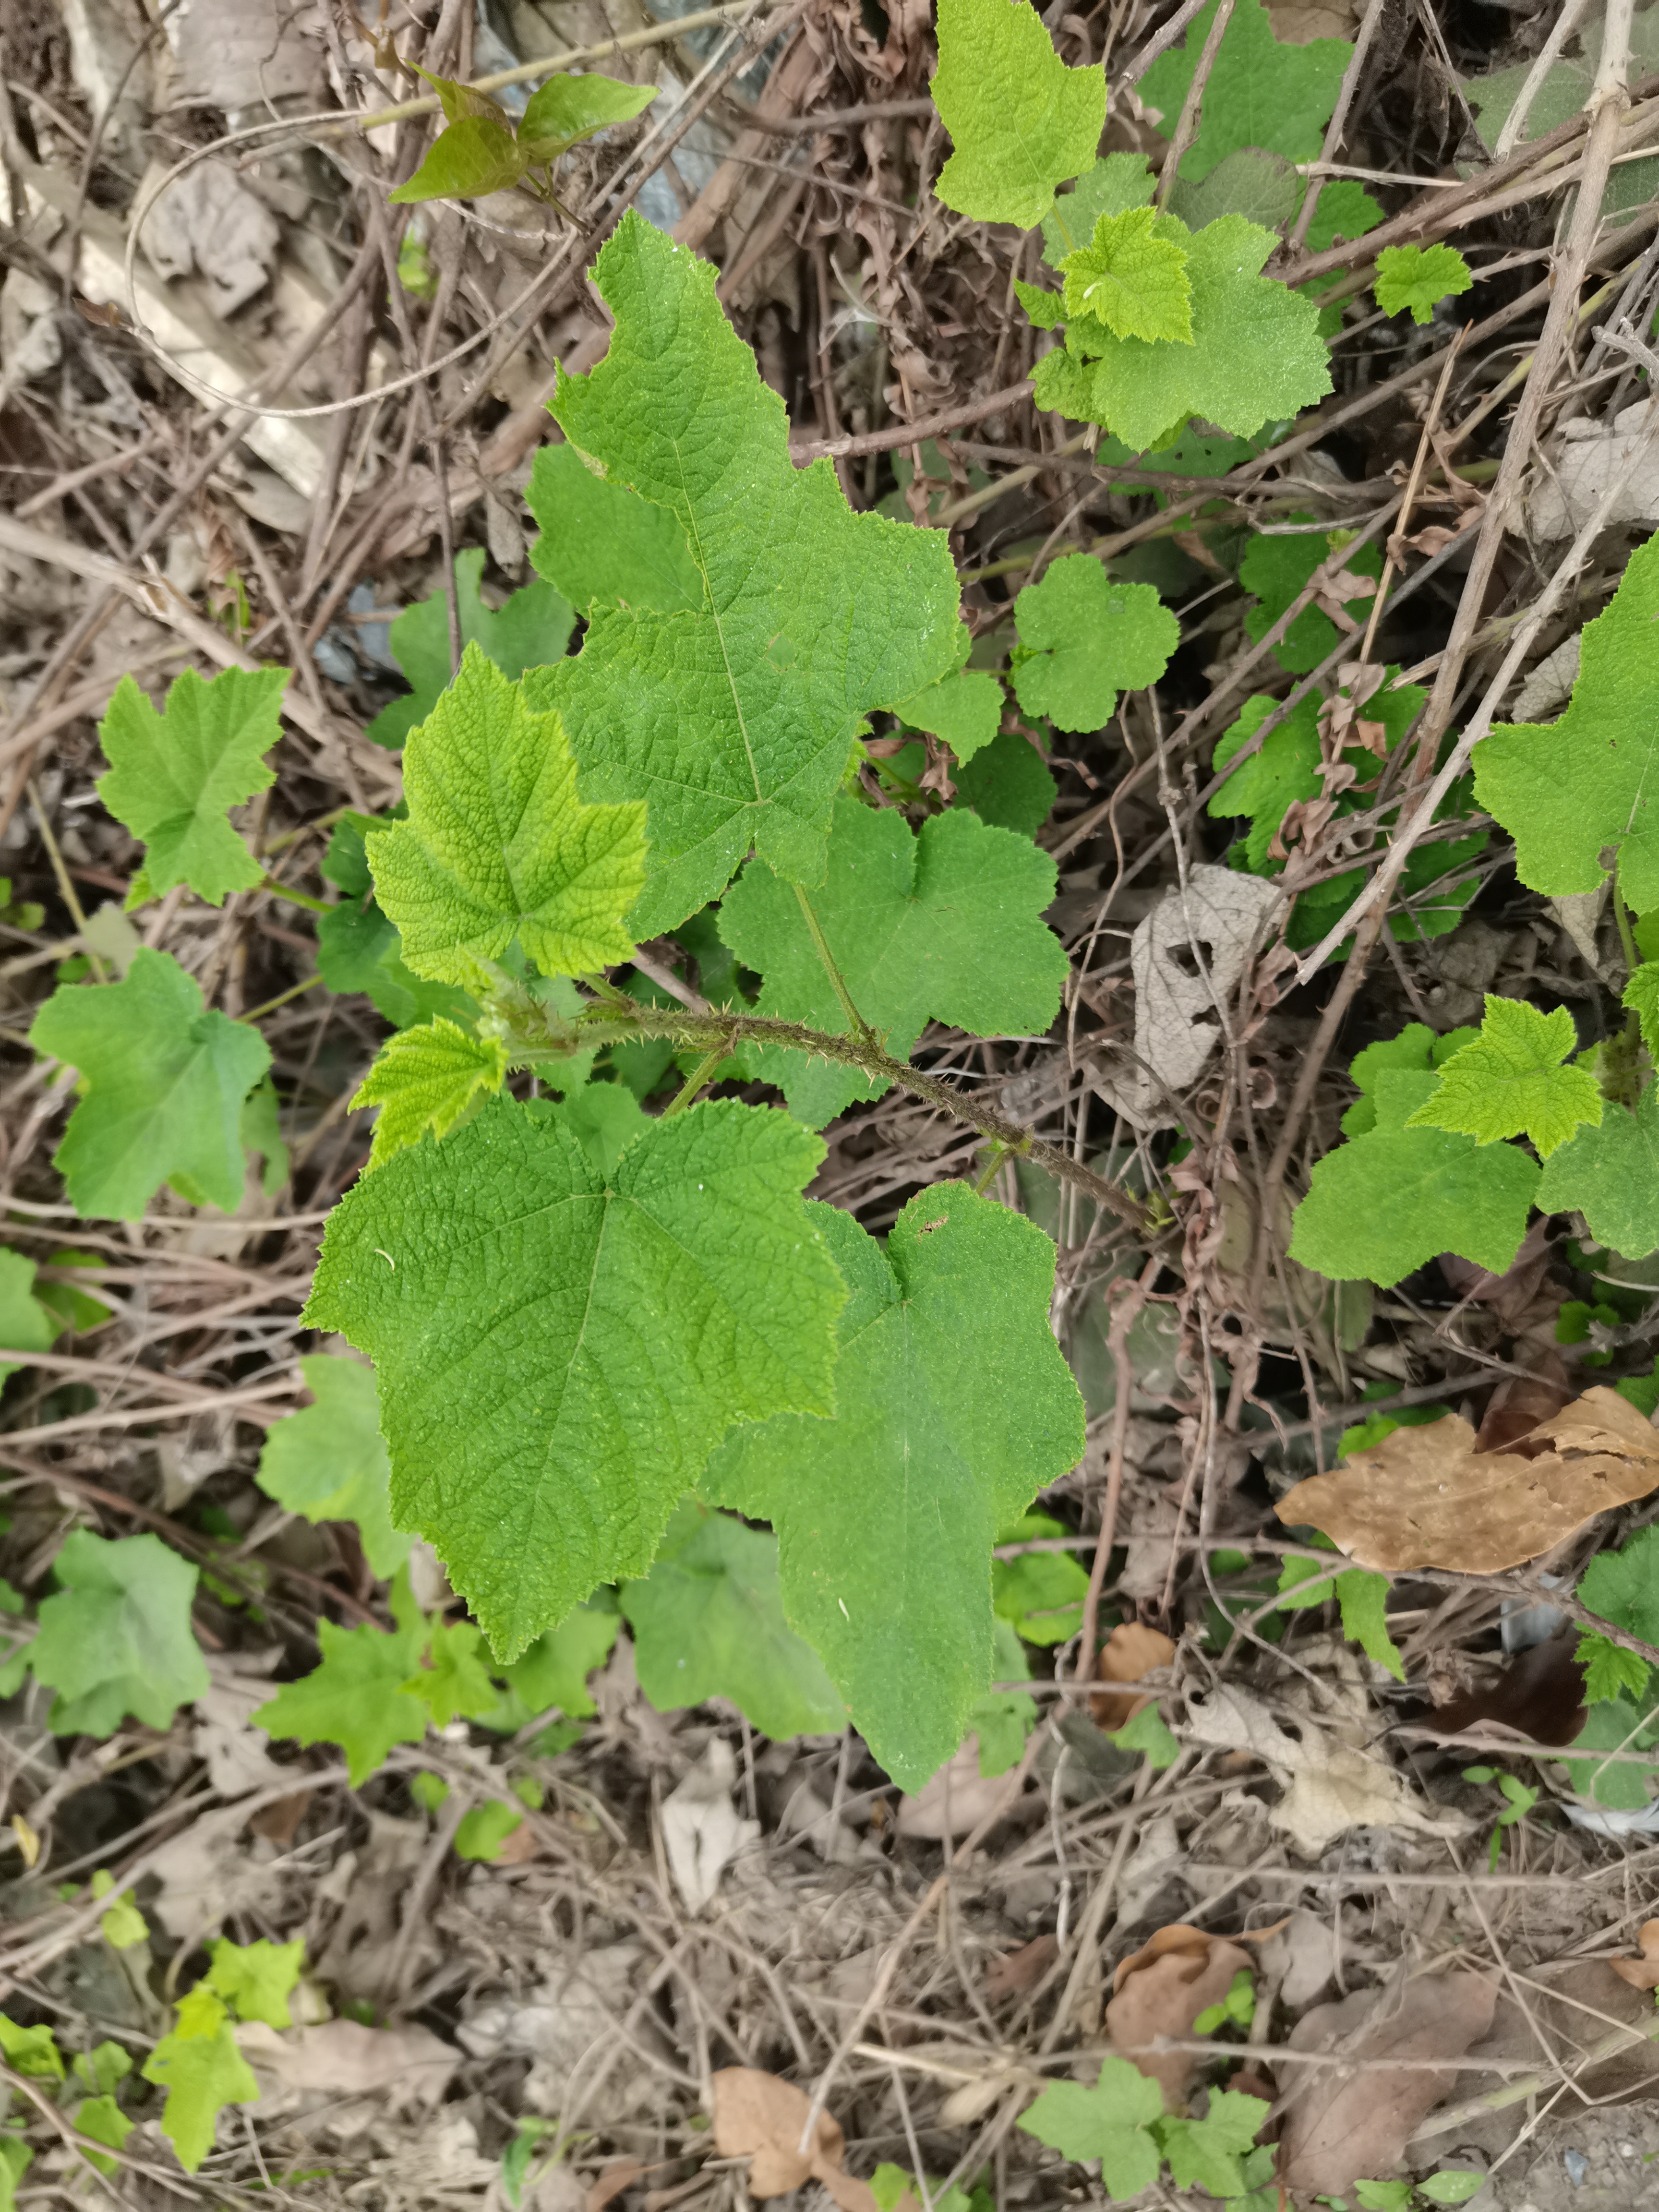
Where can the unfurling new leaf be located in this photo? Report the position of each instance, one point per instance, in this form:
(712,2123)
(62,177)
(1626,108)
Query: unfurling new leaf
(429,1078)
(1130,280)
(1509,1081)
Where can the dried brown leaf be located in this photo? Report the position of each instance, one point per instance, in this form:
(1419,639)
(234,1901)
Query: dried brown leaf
(1539,1695)
(760,2117)
(1161,1990)
(1016,1972)
(1129,1653)
(1426,1498)
(1641,1973)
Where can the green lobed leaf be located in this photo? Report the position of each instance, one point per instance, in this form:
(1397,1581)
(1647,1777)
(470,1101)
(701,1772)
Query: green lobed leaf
(16,2159)
(558,1351)
(1284,767)
(256,1979)
(568,109)
(1008,785)
(1569,790)
(1509,1081)
(707,1622)
(1363,1597)
(1108,186)
(202,2070)
(1146,1732)
(1274,568)
(359,950)
(328,1461)
(946,924)
(354,1695)
(1039,1594)
(1610,1174)
(1261,92)
(1386,1203)
(71,1306)
(554,1669)
(1610,1671)
(1111,2121)
(33,2051)
(453,1683)
(1263,187)
(1416,1048)
(103,2068)
(1641,996)
(1418,277)
(602,544)
(1083,638)
(163,1086)
(485,1829)
(533,629)
(498,847)
(1002,1719)
(123,1925)
(1620,1784)
(1622,1586)
(115,1638)
(1020,120)
(1209,2154)
(953,1407)
(1130,280)
(1344,210)
(474,156)
(172,776)
(103,2120)
(429,1078)
(604,1117)
(965,708)
(735,723)
(25,1323)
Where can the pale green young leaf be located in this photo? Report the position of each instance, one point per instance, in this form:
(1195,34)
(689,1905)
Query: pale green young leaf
(1261,93)
(485,1829)
(1146,1732)
(1020,120)
(1610,1671)
(1418,277)
(554,1670)
(202,2070)
(1007,785)
(102,2119)
(707,1622)
(1642,997)
(172,776)
(1002,1719)
(533,629)
(1044,311)
(1567,791)
(965,708)
(1384,1204)
(557,1353)
(102,2068)
(1039,1594)
(454,1683)
(1510,1081)
(458,98)
(1451,2186)
(602,544)
(734,722)
(498,847)
(946,924)
(1610,1175)
(26,1325)
(115,1638)
(163,1083)
(1130,280)
(1107,187)
(953,1406)
(1363,1597)
(328,1461)
(473,157)
(1416,1048)
(256,1979)
(1256,356)
(428,1078)
(30,2050)
(1083,638)
(1383,2195)
(1111,2122)
(354,1695)
(1274,568)
(123,1925)
(1209,2154)
(16,2159)
(359,950)
(568,109)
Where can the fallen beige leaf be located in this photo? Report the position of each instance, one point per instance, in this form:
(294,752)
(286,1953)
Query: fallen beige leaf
(701,1830)
(1425,1497)
(762,2119)
(1161,1990)
(1130,1653)
(1641,1973)
(954,1801)
(347,2060)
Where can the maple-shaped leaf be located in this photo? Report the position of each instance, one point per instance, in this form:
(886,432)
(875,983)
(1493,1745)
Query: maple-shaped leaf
(1610,1174)
(429,1078)
(602,544)
(256,1979)
(734,722)
(33,2051)
(498,847)
(1255,353)
(328,1461)
(1209,2154)
(554,1670)
(1509,1081)
(1283,769)
(202,2070)
(1083,638)
(1384,1204)
(946,924)
(1418,277)
(953,1406)
(531,628)
(1130,280)
(1261,93)
(1610,1671)
(454,1682)
(707,1622)
(26,1325)
(1020,120)
(558,1351)
(163,1083)
(354,1695)
(1111,2121)
(1568,791)
(1274,568)
(173,776)
(116,1638)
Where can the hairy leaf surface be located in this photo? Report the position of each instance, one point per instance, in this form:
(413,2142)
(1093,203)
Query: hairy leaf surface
(1261,93)
(602,544)
(1131,280)
(1509,1081)
(428,1078)
(1083,639)
(1419,277)
(533,628)
(1020,120)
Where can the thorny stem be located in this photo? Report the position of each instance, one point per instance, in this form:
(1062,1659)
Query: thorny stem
(695,1082)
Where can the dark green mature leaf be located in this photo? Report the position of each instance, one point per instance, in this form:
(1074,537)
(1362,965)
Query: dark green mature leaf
(173,776)
(953,1407)
(602,544)
(1020,120)
(1008,786)
(475,156)
(1611,1176)
(568,109)
(115,1638)
(1275,569)
(1261,93)
(557,1352)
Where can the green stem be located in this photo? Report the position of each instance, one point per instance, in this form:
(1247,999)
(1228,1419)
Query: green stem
(694,1082)
(999,1154)
(861,1029)
(294,898)
(282,996)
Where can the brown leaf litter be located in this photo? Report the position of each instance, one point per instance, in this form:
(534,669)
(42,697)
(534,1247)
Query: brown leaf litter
(1162,1989)
(760,2117)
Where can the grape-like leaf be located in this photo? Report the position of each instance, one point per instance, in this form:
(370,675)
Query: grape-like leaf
(173,776)
(1620,1784)
(558,1351)
(474,156)
(1383,1204)
(953,1407)
(256,1979)
(602,544)
(533,629)
(735,722)
(1622,1586)
(1610,1175)
(1007,785)
(32,2050)
(1610,1671)
(554,1671)
(1275,569)
(115,1638)
(202,2070)
(25,1323)
(707,1622)
(163,1082)
(1509,1081)
(1083,639)
(359,950)
(1263,187)
(1130,280)
(1417,278)
(354,1695)
(568,109)
(1568,791)
(1020,120)
(497,845)
(1111,2122)
(429,1078)
(1039,1594)
(328,1461)
(947,924)
(1208,2153)
(1146,1732)
(454,1682)
(1261,93)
